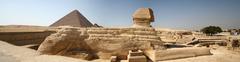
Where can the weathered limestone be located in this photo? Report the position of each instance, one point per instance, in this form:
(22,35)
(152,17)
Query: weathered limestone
(136,56)
(141,40)
(143,17)
(104,42)
(176,53)
(151,54)
(182,53)
(67,42)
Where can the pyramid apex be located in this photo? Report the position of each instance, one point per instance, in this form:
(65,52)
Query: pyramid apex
(75,10)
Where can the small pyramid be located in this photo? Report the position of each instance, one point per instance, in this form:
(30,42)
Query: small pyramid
(75,19)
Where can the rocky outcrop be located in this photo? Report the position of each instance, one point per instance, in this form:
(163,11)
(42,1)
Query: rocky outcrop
(67,41)
(100,41)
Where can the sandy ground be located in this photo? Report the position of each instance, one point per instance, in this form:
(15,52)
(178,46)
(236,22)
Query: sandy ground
(11,53)
(7,58)
(22,28)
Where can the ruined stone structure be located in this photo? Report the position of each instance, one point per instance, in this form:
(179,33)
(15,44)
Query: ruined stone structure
(104,42)
(75,19)
(101,41)
(136,56)
(114,43)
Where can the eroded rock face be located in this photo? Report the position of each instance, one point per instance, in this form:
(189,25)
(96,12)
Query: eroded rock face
(68,42)
(118,41)
(143,17)
(99,41)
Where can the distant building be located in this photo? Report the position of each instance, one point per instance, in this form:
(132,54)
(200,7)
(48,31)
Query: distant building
(234,31)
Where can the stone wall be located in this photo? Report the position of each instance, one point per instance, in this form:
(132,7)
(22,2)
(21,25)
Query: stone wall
(24,38)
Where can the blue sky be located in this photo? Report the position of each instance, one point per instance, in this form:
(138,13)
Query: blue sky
(177,14)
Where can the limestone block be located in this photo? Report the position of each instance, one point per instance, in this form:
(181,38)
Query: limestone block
(114,59)
(136,56)
(137,59)
(144,32)
(151,54)
(176,53)
(136,53)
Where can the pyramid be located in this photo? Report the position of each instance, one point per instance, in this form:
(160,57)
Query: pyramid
(75,19)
